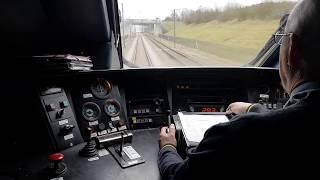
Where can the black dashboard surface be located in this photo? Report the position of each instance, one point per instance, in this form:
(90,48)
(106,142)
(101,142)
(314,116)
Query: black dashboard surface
(167,90)
(144,141)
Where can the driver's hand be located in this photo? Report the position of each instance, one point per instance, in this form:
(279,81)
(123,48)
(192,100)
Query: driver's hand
(238,108)
(168,136)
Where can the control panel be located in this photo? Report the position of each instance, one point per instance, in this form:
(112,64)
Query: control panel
(204,97)
(63,128)
(100,108)
(147,112)
(270,97)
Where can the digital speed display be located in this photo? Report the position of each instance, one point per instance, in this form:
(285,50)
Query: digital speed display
(206,108)
(209,109)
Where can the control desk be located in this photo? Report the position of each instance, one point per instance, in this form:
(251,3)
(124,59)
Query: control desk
(105,124)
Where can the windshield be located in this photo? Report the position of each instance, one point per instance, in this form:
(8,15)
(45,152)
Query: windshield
(184,33)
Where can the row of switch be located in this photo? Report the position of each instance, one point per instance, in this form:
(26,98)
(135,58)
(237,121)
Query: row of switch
(270,105)
(141,111)
(107,131)
(52,107)
(139,121)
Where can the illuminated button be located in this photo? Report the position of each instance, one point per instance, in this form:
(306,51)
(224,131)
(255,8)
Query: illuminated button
(274,106)
(117,118)
(150,120)
(157,110)
(134,120)
(64,104)
(139,111)
(147,110)
(135,111)
(143,110)
(92,135)
(102,132)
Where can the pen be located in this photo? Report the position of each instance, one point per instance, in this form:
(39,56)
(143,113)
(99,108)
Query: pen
(169,123)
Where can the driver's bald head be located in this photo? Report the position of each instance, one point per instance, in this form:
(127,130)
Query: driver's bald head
(304,21)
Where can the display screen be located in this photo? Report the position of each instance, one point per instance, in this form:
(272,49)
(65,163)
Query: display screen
(209,109)
(206,108)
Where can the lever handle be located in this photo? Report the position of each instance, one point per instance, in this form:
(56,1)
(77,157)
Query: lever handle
(121,145)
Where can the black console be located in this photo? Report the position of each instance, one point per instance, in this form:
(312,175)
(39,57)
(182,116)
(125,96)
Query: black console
(147,112)
(100,123)
(62,126)
(100,107)
(202,96)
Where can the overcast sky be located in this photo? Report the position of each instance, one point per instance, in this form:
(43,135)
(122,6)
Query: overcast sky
(151,9)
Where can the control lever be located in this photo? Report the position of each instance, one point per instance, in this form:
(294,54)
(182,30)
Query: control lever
(111,125)
(67,129)
(119,151)
(89,150)
(60,113)
(169,120)
(125,156)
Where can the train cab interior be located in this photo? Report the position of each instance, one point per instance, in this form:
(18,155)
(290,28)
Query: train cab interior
(83,80)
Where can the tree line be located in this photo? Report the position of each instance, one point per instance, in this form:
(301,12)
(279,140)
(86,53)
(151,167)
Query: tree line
(267,10)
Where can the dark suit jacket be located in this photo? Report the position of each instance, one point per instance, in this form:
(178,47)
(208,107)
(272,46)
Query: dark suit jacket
(280,143)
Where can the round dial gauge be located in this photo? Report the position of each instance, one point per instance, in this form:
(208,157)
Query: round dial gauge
(101,88)
(91,111)
(112,107)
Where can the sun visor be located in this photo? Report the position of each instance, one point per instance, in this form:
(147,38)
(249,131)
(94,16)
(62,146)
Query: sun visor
(53,26)
(82,19)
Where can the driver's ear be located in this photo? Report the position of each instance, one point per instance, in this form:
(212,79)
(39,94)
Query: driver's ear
(294,52)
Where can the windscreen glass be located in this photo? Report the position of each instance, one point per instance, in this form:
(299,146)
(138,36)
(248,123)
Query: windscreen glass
(184,33)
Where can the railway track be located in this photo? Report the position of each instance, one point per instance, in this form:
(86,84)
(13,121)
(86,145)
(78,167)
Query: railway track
(175,55)
(141,55)
(150,52)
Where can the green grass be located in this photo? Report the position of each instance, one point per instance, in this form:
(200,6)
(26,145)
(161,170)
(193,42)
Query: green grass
(237,40)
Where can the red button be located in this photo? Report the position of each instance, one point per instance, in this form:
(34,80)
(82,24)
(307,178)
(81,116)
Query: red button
(55,157)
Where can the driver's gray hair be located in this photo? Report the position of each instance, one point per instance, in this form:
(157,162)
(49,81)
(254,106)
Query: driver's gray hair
(304,21)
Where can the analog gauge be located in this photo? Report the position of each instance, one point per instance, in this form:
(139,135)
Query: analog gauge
(112,107)
(91,111)
(101,88)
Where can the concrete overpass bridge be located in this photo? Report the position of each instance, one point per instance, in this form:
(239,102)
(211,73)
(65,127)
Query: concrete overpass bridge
(141,25)
(142,22)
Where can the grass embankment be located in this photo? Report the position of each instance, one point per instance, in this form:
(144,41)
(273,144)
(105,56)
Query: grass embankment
(234,40)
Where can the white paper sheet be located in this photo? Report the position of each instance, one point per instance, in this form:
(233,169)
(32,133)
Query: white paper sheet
(194,126)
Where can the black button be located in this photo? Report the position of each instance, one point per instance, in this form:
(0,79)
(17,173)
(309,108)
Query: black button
(50,107)
(101,127)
